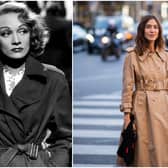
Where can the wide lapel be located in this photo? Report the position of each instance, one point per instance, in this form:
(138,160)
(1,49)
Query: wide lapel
(29,90)
(144,56)
(5,102)
(162,54)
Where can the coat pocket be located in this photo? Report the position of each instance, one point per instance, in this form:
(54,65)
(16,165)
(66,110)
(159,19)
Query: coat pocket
(139,103)
(141,98)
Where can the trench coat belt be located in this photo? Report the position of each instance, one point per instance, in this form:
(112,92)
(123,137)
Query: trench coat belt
(8,153)
(152,85)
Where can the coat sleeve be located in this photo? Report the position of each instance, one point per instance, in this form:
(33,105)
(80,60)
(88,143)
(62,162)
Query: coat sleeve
(61,127)
(128,84)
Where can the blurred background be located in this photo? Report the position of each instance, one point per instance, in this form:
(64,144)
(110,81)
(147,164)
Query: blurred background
(58,18)
(102,31)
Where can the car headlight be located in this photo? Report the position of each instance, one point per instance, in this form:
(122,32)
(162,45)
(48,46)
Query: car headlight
(90,38)
(119,36)
(105,40)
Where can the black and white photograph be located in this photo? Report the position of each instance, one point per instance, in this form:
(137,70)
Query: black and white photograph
(35,84)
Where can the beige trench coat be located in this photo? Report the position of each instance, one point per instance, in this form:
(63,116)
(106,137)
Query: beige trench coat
(148,100)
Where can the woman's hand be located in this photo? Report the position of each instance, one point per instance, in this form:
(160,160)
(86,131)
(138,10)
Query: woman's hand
(126,119)
(44,144)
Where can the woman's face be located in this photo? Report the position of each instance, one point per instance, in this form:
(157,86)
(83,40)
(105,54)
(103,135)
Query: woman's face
(14,36)
(151,30)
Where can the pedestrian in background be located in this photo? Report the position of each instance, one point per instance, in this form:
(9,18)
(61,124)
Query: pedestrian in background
(145,93)
(35,106)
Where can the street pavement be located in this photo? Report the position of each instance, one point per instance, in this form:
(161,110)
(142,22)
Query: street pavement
(93,76)
(97,123)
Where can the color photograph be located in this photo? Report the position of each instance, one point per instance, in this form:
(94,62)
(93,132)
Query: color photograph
(120,83)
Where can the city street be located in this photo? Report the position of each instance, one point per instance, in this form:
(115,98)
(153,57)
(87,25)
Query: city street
(93,76)
(96,116)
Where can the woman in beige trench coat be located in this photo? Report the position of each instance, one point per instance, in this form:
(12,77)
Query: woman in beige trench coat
(145,93)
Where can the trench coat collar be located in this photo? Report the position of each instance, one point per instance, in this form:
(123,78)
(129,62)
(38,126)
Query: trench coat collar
(35,68)
(27,93)
(161,53)
(35,71)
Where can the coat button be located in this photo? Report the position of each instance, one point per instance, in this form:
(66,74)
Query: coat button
(153,100)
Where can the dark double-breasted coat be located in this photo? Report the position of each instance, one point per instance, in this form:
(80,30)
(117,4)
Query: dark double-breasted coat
(40,102)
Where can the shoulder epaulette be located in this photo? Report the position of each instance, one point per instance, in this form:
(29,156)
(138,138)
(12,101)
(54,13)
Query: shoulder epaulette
(52,68)
(130,49)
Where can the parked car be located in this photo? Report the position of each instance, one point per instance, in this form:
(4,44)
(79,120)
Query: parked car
(79,38)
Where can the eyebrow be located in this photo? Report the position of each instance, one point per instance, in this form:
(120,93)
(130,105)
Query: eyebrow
(6,27)
(151,24)
(148,24)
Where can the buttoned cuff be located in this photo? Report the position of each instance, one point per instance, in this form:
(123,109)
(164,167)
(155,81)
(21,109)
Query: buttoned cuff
(126,108)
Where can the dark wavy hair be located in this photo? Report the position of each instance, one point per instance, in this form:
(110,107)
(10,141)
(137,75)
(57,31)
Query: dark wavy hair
(36,26)
(141,42)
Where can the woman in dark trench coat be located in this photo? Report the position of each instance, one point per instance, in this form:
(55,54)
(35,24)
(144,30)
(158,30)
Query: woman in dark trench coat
(35,106)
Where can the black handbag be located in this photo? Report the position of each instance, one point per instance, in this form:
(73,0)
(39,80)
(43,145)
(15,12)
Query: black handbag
(126,149)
